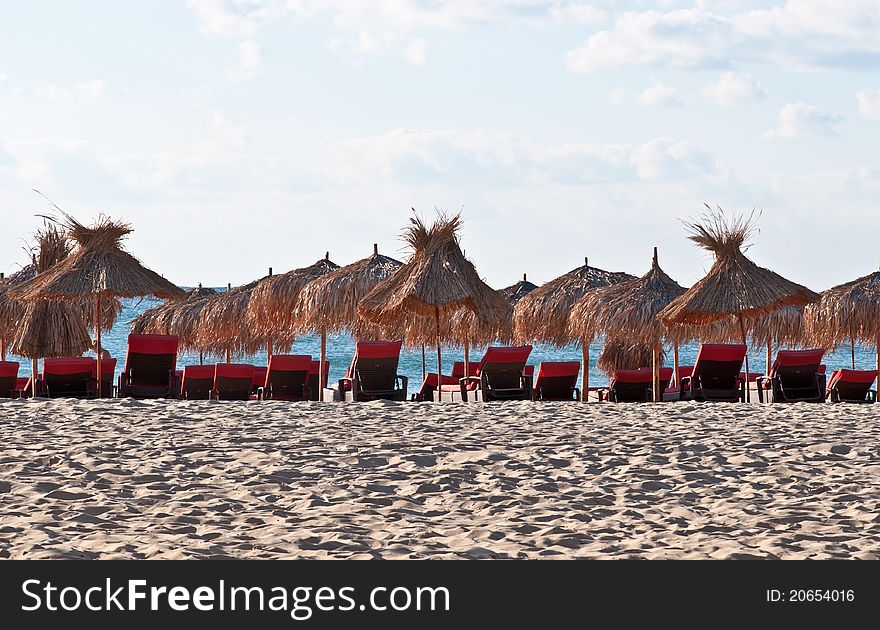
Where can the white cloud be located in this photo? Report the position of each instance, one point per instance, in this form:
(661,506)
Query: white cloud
(415,51)
(250,61)
(800,33)
(659,95)
(799,119)
(869,104)
(616,97)
(2,77)
(80,91)
(235,19)
(734,89)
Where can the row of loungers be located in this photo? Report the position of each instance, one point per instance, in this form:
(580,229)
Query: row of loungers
(795,376)
(502,374)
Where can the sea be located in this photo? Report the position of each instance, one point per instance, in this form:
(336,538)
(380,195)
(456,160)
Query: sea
(341,347)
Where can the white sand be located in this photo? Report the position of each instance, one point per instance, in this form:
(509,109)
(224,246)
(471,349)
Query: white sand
(134,479)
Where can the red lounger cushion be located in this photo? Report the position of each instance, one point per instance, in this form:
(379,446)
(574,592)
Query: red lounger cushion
(234,370)
(8,368)
(794,358)
(68,365)
(721,352)
(852,376)
(551,369)
(288,363)
(685,370)
(152,344)
(377,349)
(108,366)
(260,375)
(198,371)
(512,354)
(631,376)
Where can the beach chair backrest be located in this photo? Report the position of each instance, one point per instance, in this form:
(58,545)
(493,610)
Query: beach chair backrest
(288,376)
(151,359)
(8,378)
(314,373)
(233,381)
(665,375)
(375,364)
(503,367)
(631,385)
(458,369)
(259,377)
(852,384)
(197,382)
(556,380)
(797,368)
(718,365)
(67,376)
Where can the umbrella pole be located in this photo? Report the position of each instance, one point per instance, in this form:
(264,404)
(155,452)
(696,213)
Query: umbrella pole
(228,356)
(322,365)
(98,387)
(424,367)
(467,358)
(675,362)
(655,373)
(852,349)
(742,328)
(439,367)
(201,358)
(34,369)
(585,377)
(769,357)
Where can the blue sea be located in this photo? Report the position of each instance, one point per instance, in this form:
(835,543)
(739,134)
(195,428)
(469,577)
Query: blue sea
(340,349)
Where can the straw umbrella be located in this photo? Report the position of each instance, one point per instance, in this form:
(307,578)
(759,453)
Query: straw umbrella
(98,268)
(619,354)
(629,311)
(849,312)
(11,310)
(543,314)
(181,318)
(784,326)
(328,304)
(434,284)
(734,286)
(464,328)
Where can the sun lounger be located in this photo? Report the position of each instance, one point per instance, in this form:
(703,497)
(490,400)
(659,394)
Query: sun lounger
(628,386)
(429,385)
(852,386)
(197,382)
(233,381)
(557,380)
(8,378)
(715,376)
(500,376)
(794,377)
(150,367)
(68,377)
(372,374)
(287,378)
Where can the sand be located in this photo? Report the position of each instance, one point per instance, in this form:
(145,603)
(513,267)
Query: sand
(161,479)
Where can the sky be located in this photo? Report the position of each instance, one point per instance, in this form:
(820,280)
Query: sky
(237,135)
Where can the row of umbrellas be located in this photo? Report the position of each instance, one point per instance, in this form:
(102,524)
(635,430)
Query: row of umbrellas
(437,298)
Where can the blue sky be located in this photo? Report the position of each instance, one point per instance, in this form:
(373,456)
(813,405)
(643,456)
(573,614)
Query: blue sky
(241,134)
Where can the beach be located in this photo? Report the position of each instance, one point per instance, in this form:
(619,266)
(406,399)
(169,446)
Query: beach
(205,479)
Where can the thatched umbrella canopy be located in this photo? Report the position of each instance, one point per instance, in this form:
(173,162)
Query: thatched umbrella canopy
(11,310)
(181,318)
(628,310)
(734,286)
(434,284)
(543,314)
(849,312)
(98,268)
(619,354)
(219,323)
(322,300)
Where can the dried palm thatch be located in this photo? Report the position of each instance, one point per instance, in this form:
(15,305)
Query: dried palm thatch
(435,283)
(734,284)
(329,303)
(11,310)
(784,326)
(627,310)
(463,329)
(543,314)
(182,318)
(98,267)
(49,328)
(846,313)
(618,354)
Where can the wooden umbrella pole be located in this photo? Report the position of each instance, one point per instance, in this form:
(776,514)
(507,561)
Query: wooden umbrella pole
(201,358)
(228,356)
(655,373)
(424,366)
(852,350)
(769,357)
(742,328)
(34,370)
(467,358)
(98,387)
(439,366)
(675,363)
(585,377)
(322,363)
